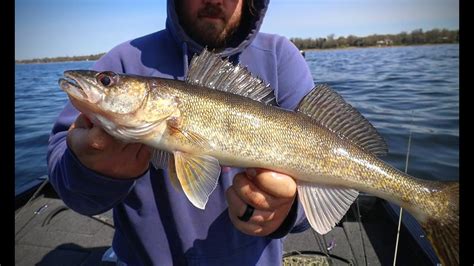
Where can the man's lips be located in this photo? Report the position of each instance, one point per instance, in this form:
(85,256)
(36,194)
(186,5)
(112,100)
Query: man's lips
(214,19)
(211,17)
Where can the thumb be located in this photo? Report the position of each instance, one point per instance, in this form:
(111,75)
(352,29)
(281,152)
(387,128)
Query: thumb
(77,139)
(78,133)
(82,121)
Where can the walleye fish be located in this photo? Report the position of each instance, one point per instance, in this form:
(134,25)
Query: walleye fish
(222,115)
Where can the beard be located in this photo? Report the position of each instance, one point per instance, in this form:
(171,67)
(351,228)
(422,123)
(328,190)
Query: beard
(211,28)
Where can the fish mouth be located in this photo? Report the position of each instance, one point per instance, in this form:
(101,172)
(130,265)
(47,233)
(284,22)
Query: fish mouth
(72,86)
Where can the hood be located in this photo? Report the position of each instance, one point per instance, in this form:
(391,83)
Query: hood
(243,38)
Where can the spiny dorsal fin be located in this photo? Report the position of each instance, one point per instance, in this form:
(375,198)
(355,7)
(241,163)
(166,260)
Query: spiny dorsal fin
(210,70)
(328,108)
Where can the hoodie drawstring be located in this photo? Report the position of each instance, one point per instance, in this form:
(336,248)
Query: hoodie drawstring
(185,58)
(234,59)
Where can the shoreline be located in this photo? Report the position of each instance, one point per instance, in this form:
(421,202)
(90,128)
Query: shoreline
(55,60)
(374,46)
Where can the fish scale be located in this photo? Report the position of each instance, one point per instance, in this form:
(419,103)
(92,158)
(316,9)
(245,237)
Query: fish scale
(288,142)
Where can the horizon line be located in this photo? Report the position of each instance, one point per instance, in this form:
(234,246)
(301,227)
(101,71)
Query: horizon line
(289,38)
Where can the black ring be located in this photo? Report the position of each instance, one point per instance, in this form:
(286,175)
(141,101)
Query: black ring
(247,214)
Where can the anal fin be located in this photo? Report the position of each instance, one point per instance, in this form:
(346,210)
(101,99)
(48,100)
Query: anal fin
(325,206)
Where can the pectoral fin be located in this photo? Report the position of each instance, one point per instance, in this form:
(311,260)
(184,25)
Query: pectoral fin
(165,160)
(160,159)
(175,127)
(173,175)
(198,176)
(325,206)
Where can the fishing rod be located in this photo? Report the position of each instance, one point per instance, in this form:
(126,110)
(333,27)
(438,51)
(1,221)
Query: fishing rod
(401,209)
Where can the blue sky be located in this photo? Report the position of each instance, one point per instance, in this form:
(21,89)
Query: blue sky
(49,28)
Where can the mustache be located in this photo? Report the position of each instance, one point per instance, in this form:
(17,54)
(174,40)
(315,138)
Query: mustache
(210,10)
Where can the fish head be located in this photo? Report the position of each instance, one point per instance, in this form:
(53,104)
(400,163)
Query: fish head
(120,103)
(109,91)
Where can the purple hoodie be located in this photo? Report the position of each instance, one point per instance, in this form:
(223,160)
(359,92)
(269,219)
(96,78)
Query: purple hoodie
(154,223)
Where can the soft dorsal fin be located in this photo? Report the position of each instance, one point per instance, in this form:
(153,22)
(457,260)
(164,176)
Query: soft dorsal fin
(329,109)
(210,70)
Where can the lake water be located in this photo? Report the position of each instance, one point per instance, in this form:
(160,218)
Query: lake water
(398,89)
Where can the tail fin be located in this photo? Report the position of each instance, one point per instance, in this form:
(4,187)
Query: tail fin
(444,233)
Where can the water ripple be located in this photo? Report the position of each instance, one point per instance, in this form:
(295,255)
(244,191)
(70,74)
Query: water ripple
(402,89)
(38,101)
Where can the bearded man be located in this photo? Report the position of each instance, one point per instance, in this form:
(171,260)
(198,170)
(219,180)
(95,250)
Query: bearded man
(250,210)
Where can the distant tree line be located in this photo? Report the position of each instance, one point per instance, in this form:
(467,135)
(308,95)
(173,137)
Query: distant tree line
(434,36)
(60,59)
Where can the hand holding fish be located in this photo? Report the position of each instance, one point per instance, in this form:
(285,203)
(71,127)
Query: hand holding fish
(104,154)
(271,194)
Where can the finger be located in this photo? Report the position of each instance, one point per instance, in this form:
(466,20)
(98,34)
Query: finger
(141,154)
(144,154)
(234,202)
(78,133)
(76,140)
(132,148)
(248,227)
(100,140)
(237,208)
(82,121)
(137,157)
(275,184)
(251,194)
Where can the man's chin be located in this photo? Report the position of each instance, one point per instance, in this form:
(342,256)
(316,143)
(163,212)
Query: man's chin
(209,36)
(210,26)
(212,43)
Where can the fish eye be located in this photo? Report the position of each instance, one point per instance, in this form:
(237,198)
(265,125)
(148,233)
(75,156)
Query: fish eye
(107,79)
